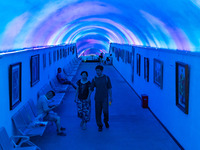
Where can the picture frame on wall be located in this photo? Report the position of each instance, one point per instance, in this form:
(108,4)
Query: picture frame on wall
(117,54)
(15,84)
(58,55)
(182,86)
(35,67)
(61,54)
(54,56)
(122,55)
(130,58)
(44,60)
(50,59)
(138,63)
(146,69)
(133,64)
(158,73)
(126,56)
(73,50)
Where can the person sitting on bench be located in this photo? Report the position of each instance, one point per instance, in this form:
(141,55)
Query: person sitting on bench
(49,115)
(62,79)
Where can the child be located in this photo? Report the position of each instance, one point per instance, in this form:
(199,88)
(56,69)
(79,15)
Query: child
(83,101)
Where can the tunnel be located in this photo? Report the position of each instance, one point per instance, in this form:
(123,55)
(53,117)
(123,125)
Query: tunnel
(148,49)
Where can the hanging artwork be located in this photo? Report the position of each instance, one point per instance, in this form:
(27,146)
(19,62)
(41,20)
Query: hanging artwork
(130,57)
(44,60)
(15,85)
(182,89)
(54,56)
(133,60)
(58,55)
(146,69)
(50,59)
(138,63)
(61,54)
(158,73)
(35,67)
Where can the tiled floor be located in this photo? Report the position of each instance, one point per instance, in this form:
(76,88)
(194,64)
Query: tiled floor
(131,126)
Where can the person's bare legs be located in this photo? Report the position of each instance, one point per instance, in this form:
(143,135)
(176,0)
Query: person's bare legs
(58,124)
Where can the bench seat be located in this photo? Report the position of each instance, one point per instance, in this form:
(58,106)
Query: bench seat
(15,142)
(25,121)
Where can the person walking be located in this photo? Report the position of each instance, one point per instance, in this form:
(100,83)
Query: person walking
(83,100)
(103,92)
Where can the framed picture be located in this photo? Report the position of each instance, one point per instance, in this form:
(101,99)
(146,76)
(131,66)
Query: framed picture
(138,63)
(50,60)
(132,64)
(44,60)
(130,57)
(58,56)
(61,54)
(117,53)
(54,56)
(122,55)
(35,67)
(66,52)
(73,49)
(126,56)
(146,69)
(182,86)
(15,85)
(158,73)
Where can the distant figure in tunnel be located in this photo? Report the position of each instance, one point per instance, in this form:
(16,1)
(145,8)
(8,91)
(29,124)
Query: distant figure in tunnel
(83,100)
(46,110)
(103,91)
(62,79)
(101,58)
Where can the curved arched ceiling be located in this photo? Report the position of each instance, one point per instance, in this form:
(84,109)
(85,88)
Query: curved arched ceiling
(93,25)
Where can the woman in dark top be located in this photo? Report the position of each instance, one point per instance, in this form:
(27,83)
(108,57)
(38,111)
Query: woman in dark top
(82,99)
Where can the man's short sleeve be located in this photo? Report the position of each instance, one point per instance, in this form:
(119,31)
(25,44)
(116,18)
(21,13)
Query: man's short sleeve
(109,86)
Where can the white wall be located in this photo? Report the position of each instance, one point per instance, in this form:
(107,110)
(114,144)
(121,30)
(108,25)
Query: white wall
(184,127)
(27,91)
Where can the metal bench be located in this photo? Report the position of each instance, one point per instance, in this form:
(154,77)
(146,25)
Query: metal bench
(15,142)
(27,122)
(69,71)
(57,99)
(57,85)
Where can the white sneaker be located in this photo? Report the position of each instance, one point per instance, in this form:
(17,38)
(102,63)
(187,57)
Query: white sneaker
(84,127)
(81,124)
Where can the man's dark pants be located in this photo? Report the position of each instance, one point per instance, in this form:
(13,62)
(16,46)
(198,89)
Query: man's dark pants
(99,106)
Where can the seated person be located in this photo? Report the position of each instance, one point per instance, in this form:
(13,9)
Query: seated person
(49,115)
(62,79)
(107,60)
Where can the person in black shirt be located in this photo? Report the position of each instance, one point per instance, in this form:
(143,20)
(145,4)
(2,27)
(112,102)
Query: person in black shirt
(103,96)
(83,101)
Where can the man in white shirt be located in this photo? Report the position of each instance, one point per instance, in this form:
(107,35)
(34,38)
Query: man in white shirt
(49,115)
